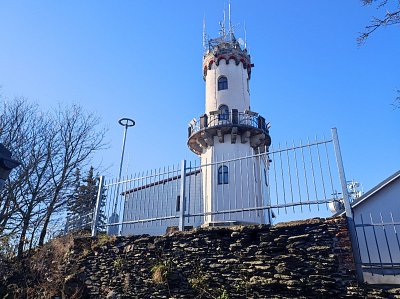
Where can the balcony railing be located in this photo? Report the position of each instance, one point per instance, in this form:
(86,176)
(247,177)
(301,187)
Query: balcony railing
(224,119)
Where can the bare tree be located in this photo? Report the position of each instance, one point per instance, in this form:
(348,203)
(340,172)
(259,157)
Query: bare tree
(50,146)
(390,17)
(396,103)
(75,142)
(24,131)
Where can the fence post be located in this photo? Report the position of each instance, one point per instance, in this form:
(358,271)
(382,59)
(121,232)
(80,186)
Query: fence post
(182,196)
(347,206)
(96,211)
(343,182)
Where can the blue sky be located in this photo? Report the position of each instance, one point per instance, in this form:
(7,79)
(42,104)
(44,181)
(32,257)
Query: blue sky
(142,59)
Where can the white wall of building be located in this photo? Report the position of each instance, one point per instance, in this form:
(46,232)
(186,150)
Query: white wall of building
(161,201)
(381,243)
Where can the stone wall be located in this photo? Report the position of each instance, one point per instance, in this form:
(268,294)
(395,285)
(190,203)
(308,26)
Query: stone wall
(304,259)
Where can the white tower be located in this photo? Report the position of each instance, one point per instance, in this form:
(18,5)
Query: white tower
(228,131)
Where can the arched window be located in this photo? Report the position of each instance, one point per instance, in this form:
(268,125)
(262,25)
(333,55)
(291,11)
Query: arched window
(223,175)
(222,83)
(224,112)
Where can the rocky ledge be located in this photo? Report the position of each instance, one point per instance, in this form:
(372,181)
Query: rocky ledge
(302,259)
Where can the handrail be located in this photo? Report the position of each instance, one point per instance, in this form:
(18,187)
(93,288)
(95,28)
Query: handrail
(227,119)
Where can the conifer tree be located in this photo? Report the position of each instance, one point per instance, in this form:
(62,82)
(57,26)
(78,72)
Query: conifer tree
(72,203)
(82,202)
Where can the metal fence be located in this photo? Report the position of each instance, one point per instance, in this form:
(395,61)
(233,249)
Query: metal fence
(379,243)
(78,222)
(149,200)
(285,183)
(280,183)
(302,176)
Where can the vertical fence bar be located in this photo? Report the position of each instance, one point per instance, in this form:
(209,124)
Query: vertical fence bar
(395,230)
(305,173)
(349,212)
(282,177)
(182,196)
(312,171)
(365,240)
(376,242)
(387,240)
(290,175)
(98,206)
(189,171)
(297,178)
(321,171)
(329,170)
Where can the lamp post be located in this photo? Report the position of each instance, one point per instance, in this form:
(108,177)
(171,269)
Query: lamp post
(126,122)
(114,218)
(6,164)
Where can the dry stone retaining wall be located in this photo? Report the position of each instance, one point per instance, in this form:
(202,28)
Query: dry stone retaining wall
(303,259)
(309,259)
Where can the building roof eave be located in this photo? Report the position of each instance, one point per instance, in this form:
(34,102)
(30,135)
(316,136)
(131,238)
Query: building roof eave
(371,192)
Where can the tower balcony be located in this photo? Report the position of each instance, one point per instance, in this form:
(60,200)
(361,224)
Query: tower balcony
(242,127)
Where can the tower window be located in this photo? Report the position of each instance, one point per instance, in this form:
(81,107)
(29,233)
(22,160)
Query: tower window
(223,175)
(224,112)
(222,83)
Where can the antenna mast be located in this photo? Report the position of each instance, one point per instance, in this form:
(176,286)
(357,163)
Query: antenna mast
(230,23)
(204,32)
(245,35)
(223,24)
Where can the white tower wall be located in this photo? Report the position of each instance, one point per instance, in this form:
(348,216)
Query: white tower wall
(236,96)
(243,190)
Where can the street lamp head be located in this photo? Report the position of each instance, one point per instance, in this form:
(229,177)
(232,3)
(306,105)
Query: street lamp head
(126,122)
(6,164)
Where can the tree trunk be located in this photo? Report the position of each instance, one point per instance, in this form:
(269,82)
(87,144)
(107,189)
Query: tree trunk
(21,243)
(45,225)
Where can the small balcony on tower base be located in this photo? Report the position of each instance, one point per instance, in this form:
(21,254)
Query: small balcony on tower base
(242,127)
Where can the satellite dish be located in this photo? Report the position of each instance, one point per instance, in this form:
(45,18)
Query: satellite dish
(241,41)
(336,206)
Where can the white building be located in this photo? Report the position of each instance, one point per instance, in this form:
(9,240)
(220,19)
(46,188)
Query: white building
(160,199)
(377,218)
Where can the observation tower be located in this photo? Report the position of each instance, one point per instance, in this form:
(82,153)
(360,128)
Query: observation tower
(229,136)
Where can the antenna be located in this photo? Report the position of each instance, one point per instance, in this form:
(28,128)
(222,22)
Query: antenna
(223,24)
(229,20)
(354,189)
(245,35)
(204,32)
